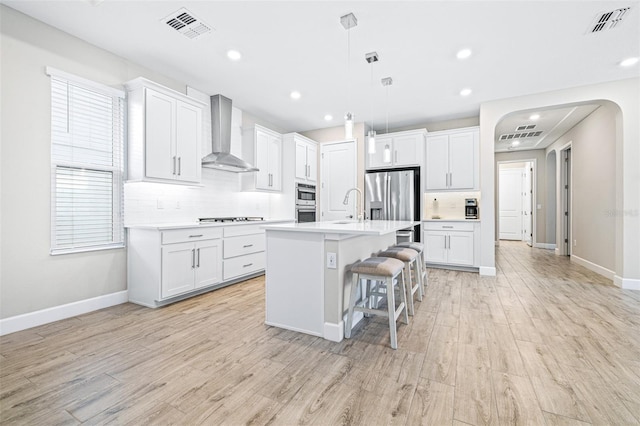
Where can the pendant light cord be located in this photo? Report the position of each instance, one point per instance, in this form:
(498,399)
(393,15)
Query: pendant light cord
(387,109)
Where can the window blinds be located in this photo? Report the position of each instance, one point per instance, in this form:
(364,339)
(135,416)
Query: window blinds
(87,138)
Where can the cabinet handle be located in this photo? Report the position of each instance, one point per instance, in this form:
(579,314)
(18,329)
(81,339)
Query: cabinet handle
(193,258)
(445,242)
(179,165)
(247,265)
(247,245)
(198,264)
(195,236)
(447,226)
(448,241)
(174,165)
(450,179)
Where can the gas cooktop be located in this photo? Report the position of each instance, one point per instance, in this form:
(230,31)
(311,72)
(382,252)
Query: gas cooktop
(230,219)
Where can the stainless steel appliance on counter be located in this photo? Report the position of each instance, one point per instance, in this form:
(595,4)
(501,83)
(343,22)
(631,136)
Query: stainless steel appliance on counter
(470,208)
(305,203)
(394,194)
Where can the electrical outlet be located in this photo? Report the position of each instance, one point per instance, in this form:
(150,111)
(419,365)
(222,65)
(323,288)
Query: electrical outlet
(160,204)
(575,243)
(177,205)
(331,261)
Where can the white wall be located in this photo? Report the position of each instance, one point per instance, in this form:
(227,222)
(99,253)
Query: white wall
(593,160)
(624,93)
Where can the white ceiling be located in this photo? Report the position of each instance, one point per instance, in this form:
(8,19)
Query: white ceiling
(519,48)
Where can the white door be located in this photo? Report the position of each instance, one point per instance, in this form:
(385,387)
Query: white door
(510,204)
(263,176)
(435,246)
(461,161)
(301,160)
(460,248)
(160,156)
(376,159)
(527,204)
(437,161)
(275,162)
(188,141)
(338,174)
(208,263)
(178,266)
(312,163)
(407,150)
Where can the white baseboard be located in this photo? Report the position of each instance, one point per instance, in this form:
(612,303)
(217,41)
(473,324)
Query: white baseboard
(545,246)
(488,271)
(607,273)
(57,313)
(334,332)
(626,283)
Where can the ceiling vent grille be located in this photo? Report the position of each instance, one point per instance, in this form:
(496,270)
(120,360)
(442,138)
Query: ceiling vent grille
(186,24)
(525,127)
(523,135)
(608,20)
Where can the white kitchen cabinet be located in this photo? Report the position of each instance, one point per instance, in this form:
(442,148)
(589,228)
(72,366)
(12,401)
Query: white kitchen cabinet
(451,243)
(306,158)
(165,134)
(265,152)
(452,160)
(189,266)
(243,250)
(406,149)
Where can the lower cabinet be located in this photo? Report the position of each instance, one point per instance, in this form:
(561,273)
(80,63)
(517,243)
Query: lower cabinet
(165,265)
(450,243)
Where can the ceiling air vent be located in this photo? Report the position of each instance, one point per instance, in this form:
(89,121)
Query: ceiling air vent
(608,20)
(525,127)
(186,24)
(523,135)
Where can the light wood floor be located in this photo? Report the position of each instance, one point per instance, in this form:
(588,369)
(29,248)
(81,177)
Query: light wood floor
(544,342)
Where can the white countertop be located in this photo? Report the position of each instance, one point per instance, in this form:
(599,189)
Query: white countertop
(451,220)
(371,227)
(181,225)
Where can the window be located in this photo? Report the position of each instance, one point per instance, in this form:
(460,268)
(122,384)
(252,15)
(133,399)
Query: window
(87,138)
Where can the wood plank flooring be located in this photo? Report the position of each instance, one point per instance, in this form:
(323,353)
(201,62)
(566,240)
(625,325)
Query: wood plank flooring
(543,342)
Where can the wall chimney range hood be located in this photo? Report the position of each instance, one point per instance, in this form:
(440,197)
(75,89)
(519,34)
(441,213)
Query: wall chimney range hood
(221,157)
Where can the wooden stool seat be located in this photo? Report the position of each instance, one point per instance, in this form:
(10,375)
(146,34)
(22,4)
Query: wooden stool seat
(373,270)
(419,247)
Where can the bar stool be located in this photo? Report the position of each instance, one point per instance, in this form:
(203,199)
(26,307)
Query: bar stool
(420,249)
(411,259)
(373,270)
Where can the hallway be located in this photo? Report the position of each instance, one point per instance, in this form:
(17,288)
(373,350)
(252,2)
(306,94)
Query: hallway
(544,342)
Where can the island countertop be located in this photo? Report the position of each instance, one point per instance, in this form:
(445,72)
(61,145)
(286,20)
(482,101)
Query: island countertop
(351,227)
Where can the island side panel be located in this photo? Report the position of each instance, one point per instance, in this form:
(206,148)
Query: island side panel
(337,282)
(294,296)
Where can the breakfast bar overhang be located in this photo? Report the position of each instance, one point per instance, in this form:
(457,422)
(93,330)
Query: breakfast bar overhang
(307,271)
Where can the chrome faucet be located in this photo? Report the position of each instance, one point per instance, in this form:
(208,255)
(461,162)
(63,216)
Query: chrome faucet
(360,208)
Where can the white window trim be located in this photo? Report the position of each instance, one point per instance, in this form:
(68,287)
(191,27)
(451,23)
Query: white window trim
(118,198)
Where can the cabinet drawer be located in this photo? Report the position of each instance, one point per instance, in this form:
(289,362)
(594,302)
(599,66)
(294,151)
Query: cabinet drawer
(448,226)
(233,231)
(243,265)
(244,244)
(171,236)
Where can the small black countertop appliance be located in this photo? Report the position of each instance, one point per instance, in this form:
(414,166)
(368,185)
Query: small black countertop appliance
(470,208)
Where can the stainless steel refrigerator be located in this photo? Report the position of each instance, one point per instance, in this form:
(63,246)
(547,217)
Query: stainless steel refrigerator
(394,195)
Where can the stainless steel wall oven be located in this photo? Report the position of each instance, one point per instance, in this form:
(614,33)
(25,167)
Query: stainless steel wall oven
(305,203)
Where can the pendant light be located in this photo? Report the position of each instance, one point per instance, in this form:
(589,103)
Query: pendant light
(348,21)
(386,155)
(371,58)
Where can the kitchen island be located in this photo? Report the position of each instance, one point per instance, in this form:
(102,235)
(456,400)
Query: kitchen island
(308,280)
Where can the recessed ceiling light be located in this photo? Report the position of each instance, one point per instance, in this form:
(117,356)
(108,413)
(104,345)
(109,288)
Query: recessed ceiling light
(463,54)
(465,92)
(328,117)
(295,95)
(515,143)
(534,117)
(629,62)
(234,55)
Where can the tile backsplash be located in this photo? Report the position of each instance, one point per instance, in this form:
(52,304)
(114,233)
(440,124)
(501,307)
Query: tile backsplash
(219,196)
(447,205)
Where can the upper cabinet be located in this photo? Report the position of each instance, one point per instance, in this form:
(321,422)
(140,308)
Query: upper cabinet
(404,149)
(306,157)
(265,152)
(452,160)
(165,134)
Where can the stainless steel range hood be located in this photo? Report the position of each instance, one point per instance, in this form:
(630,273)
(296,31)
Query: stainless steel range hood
(221,157)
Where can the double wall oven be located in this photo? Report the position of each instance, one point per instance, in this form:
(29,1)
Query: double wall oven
(305,203)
